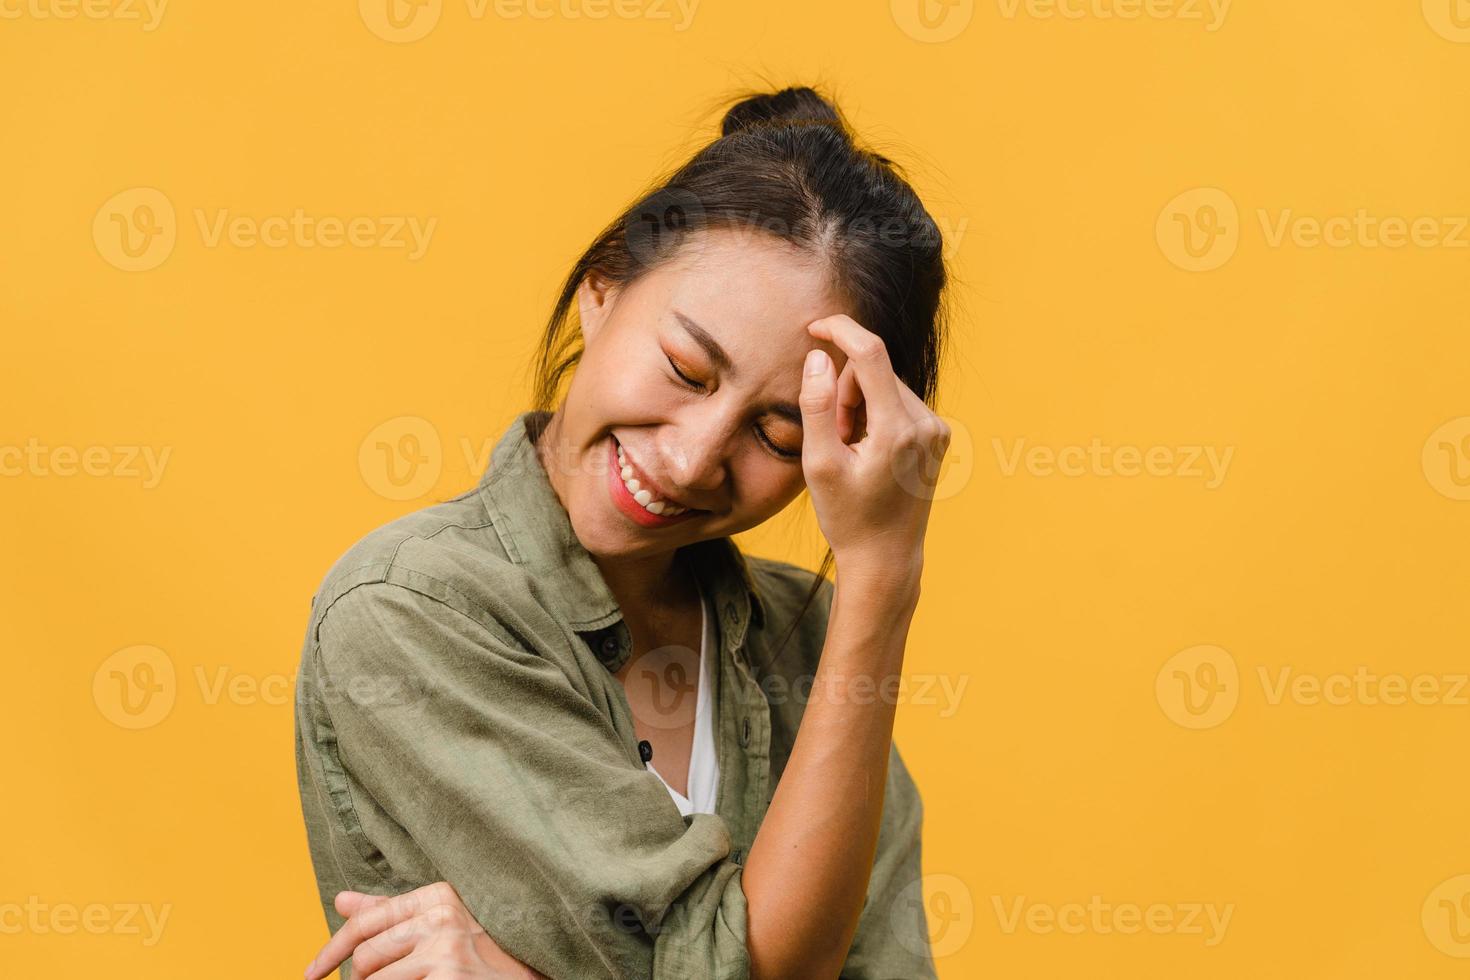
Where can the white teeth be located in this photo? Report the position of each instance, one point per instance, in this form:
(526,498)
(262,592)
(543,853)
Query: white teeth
(644,498)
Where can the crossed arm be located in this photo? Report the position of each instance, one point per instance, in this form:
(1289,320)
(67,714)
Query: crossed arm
(425,933)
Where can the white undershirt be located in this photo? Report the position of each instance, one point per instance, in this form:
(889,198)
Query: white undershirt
(704,766)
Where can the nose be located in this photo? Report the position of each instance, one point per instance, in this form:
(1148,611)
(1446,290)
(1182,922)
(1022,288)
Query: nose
(695,453)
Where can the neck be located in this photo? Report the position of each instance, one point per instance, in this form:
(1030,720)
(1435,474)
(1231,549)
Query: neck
(647,588)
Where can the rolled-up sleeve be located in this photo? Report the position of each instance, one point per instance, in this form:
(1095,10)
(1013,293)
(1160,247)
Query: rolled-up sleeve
(514,782)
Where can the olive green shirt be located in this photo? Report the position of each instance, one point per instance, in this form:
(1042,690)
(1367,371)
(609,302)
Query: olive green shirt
(458,719)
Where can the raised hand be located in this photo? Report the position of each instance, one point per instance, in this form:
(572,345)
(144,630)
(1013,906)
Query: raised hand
(872,496)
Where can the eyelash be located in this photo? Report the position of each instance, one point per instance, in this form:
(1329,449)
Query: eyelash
(696,386)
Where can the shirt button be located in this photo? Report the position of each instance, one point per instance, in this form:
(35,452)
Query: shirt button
(610,645)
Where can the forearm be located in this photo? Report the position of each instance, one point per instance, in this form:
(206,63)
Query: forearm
(807,873)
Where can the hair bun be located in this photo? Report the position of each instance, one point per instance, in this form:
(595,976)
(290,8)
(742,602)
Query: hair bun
(797,105)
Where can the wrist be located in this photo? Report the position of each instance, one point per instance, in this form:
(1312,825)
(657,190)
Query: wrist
(890,585)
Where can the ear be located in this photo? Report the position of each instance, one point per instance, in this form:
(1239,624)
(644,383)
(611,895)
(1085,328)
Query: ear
(594,303)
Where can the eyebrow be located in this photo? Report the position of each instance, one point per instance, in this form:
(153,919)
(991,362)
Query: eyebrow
(711,346)
(789,411)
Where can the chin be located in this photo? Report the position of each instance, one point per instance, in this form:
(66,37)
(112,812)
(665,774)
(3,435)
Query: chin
(604,532)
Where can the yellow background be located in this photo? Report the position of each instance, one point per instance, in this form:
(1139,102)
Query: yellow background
(1064,156)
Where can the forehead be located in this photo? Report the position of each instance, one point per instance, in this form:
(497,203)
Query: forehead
(752,291)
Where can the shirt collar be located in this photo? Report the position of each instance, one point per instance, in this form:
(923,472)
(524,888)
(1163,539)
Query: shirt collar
(536,532)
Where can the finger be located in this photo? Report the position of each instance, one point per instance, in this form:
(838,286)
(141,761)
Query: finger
(934,431)
(409,968)
(915,405)
(874,370)
(393,944)
(368,922)
(818,401)
(349,904)
(849,404)
(930,431)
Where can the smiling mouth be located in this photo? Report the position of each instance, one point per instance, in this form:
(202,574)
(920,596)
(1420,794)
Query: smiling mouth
(637,497)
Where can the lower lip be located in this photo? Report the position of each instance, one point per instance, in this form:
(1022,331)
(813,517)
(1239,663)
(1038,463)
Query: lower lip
(625,502)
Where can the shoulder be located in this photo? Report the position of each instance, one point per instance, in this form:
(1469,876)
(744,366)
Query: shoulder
(448,554)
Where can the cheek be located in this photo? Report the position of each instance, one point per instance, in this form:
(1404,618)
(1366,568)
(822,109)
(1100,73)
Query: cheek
(637,397)
(624,384)
(768,485)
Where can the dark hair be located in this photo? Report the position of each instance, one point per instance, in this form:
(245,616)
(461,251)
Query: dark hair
(786,163)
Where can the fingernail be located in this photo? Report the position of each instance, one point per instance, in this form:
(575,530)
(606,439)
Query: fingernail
(816,361)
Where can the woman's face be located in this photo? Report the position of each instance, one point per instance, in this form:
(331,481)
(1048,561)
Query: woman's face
(729,312)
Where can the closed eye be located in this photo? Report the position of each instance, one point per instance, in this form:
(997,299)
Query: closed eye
(784,454)
(682,377)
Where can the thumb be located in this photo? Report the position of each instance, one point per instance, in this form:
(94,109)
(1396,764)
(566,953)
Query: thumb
(818,402)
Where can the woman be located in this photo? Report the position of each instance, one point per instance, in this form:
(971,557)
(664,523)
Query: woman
(487,683)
